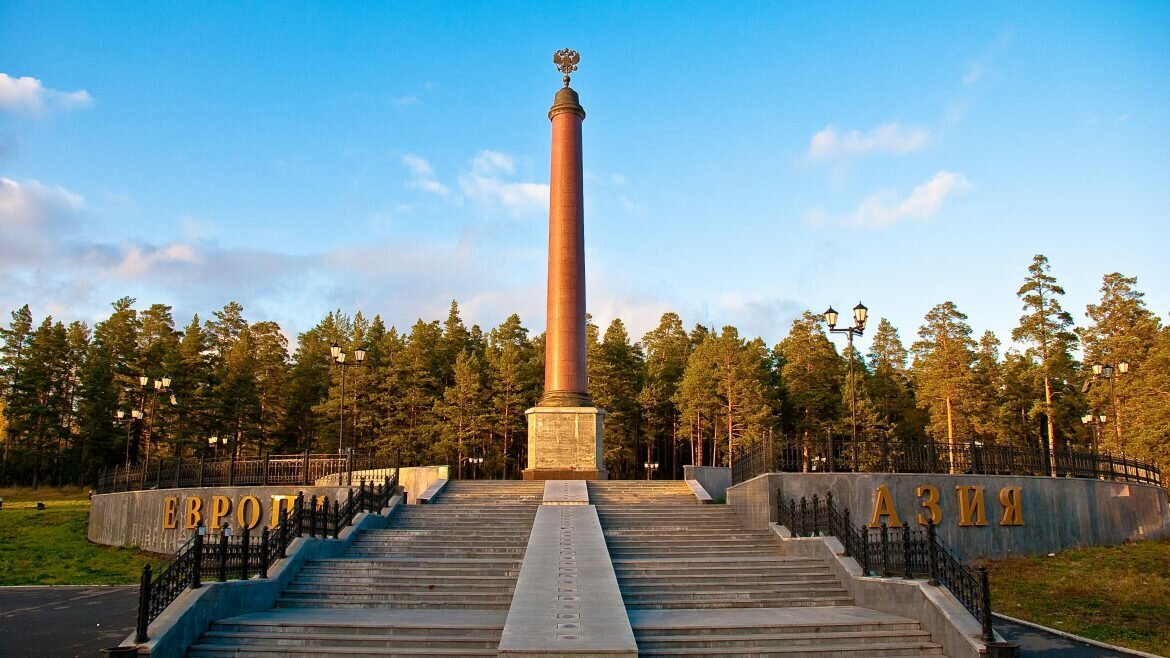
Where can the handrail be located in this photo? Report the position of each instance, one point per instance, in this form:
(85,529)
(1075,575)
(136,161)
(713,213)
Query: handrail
(174,473)
(884,551)
(839,454)
(240,558)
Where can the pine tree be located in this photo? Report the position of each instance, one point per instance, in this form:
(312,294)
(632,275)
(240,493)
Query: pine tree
(463,407)
(615,377)
(515,386)
(1047,329)
(667,350)
(1121,329)
(890,384)
(814,379)
(943,359)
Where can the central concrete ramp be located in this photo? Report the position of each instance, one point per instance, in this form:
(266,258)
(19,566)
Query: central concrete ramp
(696,582)
(567,600)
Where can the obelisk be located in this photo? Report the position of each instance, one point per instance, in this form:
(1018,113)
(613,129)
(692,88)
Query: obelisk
(565,429)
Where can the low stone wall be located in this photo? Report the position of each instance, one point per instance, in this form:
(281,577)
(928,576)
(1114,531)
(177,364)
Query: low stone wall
(160,520)
(992,516)
(715,479)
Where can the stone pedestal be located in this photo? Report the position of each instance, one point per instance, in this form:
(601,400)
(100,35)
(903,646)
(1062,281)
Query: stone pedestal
(564,443)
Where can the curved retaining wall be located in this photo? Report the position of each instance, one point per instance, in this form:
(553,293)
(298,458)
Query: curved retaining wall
(140,518)
(160,520)
(1055,513)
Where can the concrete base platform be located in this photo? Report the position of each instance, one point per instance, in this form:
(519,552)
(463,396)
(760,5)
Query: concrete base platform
(563,474)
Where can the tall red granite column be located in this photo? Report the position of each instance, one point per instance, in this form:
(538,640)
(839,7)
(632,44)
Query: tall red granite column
(564,369)
(565,430)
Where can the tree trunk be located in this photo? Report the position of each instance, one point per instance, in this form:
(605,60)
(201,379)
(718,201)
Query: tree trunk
(1051,424)
(950,436)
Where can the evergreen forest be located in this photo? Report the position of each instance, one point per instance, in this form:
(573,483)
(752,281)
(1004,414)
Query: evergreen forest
(439,392)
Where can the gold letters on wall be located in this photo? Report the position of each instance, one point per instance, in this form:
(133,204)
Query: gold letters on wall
(970,500)
(884,506)
(249,512)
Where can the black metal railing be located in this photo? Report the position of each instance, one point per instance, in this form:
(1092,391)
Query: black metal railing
(839,454)
(175,473)
(240,557)
(888,552)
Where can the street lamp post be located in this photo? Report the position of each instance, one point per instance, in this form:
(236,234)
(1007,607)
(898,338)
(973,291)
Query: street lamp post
(1110,372)
(650,468)
(1096,422)
(339,358)
(475,462)
(859,315)
(121,417)
(162,385)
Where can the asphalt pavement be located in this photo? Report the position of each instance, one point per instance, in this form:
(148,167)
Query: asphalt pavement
(65,621)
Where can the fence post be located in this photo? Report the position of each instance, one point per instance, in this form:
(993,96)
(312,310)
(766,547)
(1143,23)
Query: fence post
(349,504)
(816,526)
(985,605)
(864,549)
(140,635)
(245,539)
(223,551)
(848,524)
(792,516)
(312,516)
(362,495)
(305,466)
(266,465)
(202,468)
(300,512)
(264,541)
(932,545)
(197,568)
(803,515)
(336,518)
(232,468)
(885,551)
(906,551)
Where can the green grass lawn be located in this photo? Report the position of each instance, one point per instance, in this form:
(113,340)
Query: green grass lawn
(1115,594)
(50,547)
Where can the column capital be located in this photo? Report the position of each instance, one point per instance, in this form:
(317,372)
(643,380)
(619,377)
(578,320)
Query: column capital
(566,100)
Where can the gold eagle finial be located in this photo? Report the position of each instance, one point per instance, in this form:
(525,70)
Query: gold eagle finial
(566,61)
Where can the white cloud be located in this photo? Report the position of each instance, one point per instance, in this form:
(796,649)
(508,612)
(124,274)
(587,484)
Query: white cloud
(138,261)
(30,96)
(423,176)
(32,203)
(485,185)
(893,138)
(404,101)
(885,208)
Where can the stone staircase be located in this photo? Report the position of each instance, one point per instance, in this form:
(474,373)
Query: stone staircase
(439,581)
(696,582)
(636,492)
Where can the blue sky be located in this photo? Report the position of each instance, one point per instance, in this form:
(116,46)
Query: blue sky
(744,161)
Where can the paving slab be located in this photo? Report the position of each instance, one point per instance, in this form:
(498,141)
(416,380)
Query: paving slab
(567,601)
(566,492)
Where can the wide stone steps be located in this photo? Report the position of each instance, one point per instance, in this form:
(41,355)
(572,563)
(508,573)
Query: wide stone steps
(620,492)
(365,640)
(819,639)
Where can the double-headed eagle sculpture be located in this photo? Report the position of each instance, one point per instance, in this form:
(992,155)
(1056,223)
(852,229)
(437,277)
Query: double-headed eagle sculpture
(566,61)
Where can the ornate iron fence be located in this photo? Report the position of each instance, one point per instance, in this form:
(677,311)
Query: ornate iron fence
(244,556)
(839,454)
(887,552)
(304,468)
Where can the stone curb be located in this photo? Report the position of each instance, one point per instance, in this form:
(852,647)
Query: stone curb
(1078,638)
